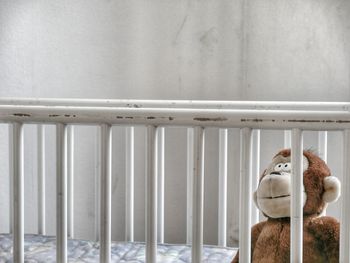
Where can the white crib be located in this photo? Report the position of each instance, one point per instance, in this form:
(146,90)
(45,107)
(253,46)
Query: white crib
(250,117)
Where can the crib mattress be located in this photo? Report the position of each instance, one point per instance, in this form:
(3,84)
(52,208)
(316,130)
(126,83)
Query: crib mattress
(39,248)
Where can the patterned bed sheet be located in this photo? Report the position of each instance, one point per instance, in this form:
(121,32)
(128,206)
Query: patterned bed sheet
(39,248)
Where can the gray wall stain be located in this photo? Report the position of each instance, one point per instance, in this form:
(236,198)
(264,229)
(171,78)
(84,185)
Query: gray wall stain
(209,39)
(178,33)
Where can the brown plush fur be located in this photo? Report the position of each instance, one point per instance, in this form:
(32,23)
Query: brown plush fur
(271,239)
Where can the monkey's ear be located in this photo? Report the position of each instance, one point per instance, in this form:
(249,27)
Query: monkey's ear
(331,185)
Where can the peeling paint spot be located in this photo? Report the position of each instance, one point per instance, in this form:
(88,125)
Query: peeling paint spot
(253,120)
(210,119)
(314,121)
(54,115)
(133,105)
(297,120)
(21,115)
(342,121)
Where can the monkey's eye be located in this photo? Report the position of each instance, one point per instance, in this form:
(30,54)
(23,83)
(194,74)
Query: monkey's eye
(286,167)
(279,167)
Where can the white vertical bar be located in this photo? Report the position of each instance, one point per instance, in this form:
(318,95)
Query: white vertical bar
(198,195)
(322,153)
(322,145)
(105,193)
(151,195)
(61,192)
(189,185)
(287,139)
(345,207)
(41,180)
(129,182)
(160,171)
(11,165)
(296,229)
(222,187)
(70,174)
(18,195)
(245,195)
(97,181)
(255,171)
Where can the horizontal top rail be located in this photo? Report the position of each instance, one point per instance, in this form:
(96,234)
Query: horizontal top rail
(206,104)
(253,118)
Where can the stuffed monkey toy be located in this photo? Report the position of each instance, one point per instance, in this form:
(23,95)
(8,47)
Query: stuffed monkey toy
(270,240)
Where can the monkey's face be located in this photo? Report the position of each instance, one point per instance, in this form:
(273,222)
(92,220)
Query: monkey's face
(274,190)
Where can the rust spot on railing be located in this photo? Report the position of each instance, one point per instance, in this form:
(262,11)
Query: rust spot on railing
(253,120)
(298,120)
(54,115)
(210,119)
(119,117)
(314,121)
(342,121)
(151,118)
(133,105)
(171,118)
(21,115)
(324,121)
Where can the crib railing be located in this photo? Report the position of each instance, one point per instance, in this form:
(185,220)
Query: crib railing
(250,117)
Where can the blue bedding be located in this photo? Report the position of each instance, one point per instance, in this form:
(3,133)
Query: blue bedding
(40,248)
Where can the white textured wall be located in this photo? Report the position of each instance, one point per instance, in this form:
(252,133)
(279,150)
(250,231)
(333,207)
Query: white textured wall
(223,50)
(298,50)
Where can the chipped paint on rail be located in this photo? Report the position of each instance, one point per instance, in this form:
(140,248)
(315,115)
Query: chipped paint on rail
(21,115)
(210,119)
(255,120)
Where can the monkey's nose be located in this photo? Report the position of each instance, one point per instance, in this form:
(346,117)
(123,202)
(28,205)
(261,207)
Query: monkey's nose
(277,173)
